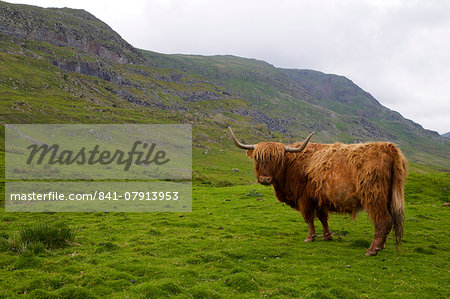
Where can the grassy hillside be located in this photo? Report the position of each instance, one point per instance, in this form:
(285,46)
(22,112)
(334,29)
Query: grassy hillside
(64,65)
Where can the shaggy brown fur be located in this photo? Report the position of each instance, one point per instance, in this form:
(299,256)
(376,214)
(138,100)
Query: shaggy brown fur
(338,177)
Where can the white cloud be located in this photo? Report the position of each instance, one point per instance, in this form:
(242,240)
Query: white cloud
(396,50)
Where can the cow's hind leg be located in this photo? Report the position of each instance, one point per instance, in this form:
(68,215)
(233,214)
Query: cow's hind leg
(383,224)
(323,217)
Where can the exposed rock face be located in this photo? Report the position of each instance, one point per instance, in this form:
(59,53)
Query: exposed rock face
(92,68)
(67,27)
(85,68)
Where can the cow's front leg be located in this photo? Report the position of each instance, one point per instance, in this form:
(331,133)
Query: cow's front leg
(308,215)
(323,217)
(311,231)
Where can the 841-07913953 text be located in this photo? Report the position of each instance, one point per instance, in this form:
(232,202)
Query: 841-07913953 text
(96,195)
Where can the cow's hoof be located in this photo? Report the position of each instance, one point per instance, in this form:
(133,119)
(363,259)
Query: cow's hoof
(327,238)
(310,239)
(370,252)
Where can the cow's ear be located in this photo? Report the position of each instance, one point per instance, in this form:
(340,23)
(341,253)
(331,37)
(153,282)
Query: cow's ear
(250,153)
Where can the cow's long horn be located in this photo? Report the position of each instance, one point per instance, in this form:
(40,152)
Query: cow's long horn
(302,147)
(238,144)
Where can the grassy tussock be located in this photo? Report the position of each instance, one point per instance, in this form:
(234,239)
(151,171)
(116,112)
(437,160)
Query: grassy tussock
(38,237)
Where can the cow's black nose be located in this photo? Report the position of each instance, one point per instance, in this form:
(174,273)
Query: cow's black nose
(265,180)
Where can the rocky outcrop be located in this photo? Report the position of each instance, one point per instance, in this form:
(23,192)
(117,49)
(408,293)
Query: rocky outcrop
(95,69)
(67,27)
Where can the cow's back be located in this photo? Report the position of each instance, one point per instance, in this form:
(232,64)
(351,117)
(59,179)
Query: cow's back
(346,176)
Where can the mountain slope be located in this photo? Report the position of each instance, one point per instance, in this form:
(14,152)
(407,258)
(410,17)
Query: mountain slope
(303,100)
(64,65)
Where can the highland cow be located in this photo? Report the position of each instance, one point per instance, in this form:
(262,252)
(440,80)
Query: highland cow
(316,179)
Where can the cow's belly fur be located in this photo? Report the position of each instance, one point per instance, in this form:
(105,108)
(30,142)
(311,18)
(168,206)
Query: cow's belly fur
(339,194)
(335,195)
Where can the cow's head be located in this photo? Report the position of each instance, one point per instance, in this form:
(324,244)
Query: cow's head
(268,157)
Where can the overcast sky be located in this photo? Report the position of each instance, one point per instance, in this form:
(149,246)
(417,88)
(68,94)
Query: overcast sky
(399,51)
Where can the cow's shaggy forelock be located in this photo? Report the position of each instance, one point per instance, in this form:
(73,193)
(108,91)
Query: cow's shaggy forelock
(269,151)
(268,157)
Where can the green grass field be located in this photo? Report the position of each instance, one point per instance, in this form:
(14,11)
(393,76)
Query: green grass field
(237,242)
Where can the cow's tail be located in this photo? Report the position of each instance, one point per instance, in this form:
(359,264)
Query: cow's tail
(399,172)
